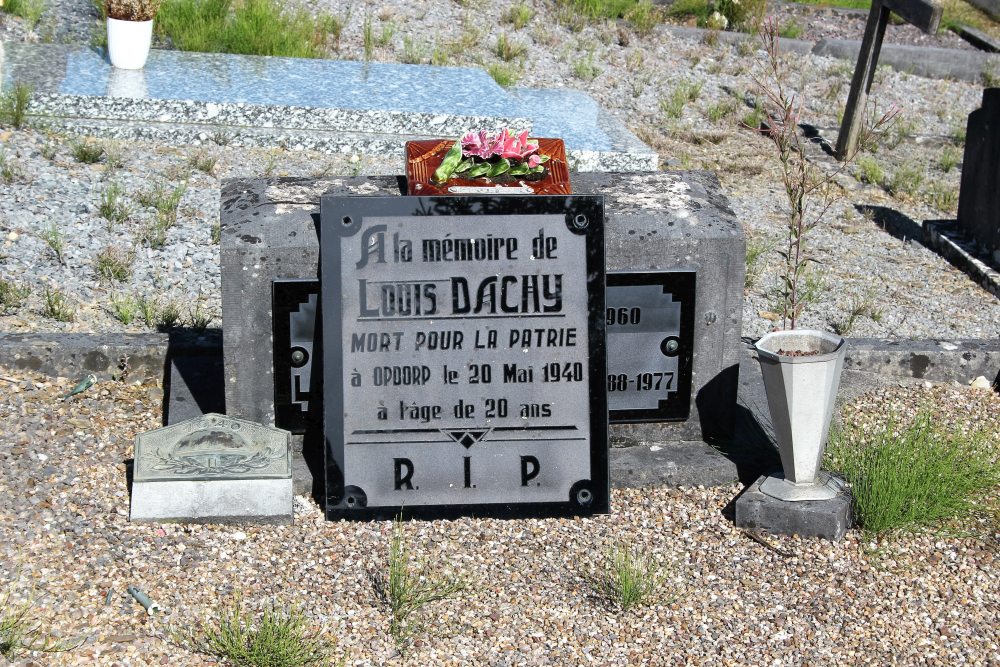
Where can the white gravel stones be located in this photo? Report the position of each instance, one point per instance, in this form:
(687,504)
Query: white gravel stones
(918,599)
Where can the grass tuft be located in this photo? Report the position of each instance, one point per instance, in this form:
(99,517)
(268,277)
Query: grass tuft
(409,589)
(56,240)
(203,162)
(13,295)
(869,170)
(113,208)
(251,27)
(87,151)
(278,637)
(507,49)
(29,10)
(518,15)
(681,94)
(904,476)
(114,263)
(505,74)
(58,306)
(21,631)
(757,250)
(14,105)
(629,579)
(124,307)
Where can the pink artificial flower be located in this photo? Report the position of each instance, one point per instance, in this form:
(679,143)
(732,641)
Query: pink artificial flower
(515,147)
(534,160)
(480,144)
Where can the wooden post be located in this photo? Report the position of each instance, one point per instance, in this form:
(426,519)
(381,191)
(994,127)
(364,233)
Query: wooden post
(861,84)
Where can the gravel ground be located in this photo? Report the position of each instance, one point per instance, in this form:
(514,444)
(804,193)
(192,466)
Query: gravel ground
(921,599)
(925,599)
(910,291)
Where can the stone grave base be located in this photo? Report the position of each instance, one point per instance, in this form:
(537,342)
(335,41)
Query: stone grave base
(829,519)
(213,501)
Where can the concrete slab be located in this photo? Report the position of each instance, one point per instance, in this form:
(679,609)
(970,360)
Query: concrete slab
(829,519)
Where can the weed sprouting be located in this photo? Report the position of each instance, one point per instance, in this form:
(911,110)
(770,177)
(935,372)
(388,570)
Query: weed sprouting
(58,305)
(629,578)
(408,590)
(13,295)
(14,105)
(278,637)
(56,240)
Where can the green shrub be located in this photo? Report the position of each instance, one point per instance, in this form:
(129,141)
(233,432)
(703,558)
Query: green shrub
(742,14)
(253,27)
(909,475)
(698,9)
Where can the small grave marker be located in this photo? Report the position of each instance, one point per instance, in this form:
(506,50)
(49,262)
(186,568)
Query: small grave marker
(213,469)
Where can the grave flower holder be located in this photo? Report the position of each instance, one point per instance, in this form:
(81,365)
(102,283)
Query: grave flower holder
(801,370)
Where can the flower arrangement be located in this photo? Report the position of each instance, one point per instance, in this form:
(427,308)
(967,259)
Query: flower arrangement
(132,10)
(483,155)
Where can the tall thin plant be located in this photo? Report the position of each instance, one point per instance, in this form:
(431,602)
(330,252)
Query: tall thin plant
(410,587)
(802,180)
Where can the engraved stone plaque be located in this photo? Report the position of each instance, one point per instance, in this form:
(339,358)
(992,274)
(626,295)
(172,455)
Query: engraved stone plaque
(650,332)
(463,355)
(212,468)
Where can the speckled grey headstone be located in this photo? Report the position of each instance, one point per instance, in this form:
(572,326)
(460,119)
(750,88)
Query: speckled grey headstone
(213,469)
(660,221)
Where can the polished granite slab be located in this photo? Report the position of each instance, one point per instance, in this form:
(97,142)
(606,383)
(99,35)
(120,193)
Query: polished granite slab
(342,106)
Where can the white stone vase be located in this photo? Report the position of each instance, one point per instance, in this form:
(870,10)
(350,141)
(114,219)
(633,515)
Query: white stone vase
(801,391)
(129,42)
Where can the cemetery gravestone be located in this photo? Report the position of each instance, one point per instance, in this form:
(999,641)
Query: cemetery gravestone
(674,230)
(212,469)
(978,212)
(463,355)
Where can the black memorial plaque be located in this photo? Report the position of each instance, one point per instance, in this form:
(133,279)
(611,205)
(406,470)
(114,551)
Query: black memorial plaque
(650,333)
(464,361)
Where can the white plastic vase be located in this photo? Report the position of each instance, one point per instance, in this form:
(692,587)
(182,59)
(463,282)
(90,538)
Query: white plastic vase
(129,42)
